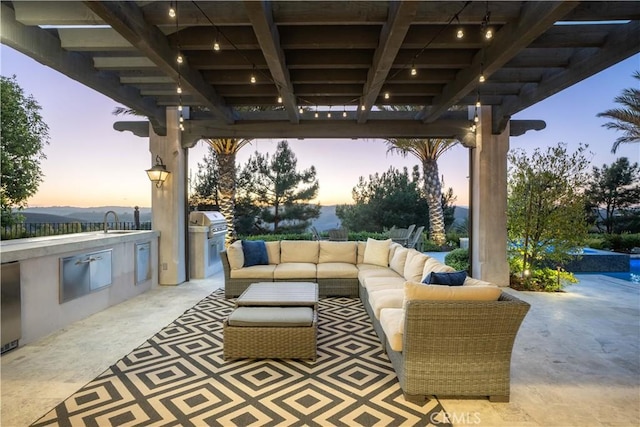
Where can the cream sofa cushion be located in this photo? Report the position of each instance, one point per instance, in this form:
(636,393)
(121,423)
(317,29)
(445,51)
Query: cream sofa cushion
(470,281)
(337,270)
(338,252)
(392,322)
(433,265)
(299,251)
(262,272)
(273,251)
(414,266)
(235,255)
(398,259)
(363,274)
(377,252)
(362,246)
(386,298)
(295,270)
(375,283)
(420,291)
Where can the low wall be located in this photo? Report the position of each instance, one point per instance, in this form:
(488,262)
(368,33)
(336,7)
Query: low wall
(598,261)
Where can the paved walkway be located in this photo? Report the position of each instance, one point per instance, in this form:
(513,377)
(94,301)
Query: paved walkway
(575,362)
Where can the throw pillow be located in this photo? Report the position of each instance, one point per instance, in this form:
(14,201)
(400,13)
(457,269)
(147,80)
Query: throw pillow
(255,253)
(235,255)
(377,252)
(450,279)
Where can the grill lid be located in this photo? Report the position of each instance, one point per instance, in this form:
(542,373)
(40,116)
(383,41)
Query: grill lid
(212,219)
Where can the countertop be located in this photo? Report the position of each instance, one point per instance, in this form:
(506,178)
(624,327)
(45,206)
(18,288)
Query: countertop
(35,247)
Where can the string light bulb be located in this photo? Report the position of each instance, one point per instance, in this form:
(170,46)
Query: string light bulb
(279,99)
(329,114)
(481,79)
(316,115)
(488,34)
(180,107)
(344,114)
(181,118)
(216,46)
(386,95)
(179,90)
(476,119)
(362,107)
(172,12)
(253,78)
(300,110)
(180,59)
(478,105)
(472,128)
(414,71)
(460,33)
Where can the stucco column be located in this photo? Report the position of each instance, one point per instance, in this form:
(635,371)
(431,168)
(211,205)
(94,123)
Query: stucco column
(488,171)
(168,201)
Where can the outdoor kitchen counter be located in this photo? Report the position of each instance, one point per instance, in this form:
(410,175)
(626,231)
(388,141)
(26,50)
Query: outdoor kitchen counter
(35,247)
(67,278)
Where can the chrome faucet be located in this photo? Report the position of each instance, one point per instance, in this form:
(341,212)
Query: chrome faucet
(106,229)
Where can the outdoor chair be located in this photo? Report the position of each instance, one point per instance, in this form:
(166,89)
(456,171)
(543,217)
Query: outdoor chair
(401,235)
(415,238)
(315,235)
(338,234)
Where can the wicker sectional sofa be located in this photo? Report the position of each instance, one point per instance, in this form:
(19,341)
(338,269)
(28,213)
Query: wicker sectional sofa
(447,341)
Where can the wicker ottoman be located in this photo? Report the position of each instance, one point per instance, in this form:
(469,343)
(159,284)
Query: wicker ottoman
(271,333)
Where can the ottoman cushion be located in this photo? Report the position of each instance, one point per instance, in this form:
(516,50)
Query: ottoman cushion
(272,317)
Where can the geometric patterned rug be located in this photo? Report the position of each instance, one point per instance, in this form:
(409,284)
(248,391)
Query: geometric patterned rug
(178,377)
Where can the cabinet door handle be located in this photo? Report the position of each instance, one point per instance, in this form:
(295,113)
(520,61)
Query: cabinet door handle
(84,261)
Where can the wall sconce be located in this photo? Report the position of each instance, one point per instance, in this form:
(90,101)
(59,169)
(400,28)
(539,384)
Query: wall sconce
(158,173)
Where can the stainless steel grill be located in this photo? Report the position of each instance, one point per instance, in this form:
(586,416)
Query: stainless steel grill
(206,234)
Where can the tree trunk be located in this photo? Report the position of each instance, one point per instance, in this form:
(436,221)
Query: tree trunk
(433,192)
(227,187)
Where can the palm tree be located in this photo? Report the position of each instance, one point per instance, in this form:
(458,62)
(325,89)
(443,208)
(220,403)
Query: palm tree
(427,151)
(226,149)
(627,117)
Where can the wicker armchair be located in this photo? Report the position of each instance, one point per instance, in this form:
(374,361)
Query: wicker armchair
(458,348)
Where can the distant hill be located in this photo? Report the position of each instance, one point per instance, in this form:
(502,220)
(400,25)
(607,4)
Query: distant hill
(328,218)
(64,214)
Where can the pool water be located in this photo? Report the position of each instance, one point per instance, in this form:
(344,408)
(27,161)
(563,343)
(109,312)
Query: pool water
(634,269)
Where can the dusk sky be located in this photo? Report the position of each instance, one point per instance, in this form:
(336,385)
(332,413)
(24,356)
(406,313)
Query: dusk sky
(90,164)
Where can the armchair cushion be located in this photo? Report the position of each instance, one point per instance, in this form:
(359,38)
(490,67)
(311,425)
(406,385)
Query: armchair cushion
(419,291)
(338,252)
(398,260)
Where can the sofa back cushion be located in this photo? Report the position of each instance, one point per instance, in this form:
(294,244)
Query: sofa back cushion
(338,252)
(433,265)
(398,260)
(235,255)
(273,251)
(420,291)
(377,252)
(414,265)
(299,251)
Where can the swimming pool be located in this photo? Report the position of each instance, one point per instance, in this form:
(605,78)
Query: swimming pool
(634,272)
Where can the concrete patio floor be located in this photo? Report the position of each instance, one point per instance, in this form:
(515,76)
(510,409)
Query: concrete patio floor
(576,360)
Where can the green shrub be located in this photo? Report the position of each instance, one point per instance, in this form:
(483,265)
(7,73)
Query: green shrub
(458,259)
(543,280)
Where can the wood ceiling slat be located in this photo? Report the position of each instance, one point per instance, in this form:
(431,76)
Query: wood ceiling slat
(267,34)
(401,15)
(127,19)
(534,20)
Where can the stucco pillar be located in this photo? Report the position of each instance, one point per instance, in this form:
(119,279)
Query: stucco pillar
(168,202)
(488,171)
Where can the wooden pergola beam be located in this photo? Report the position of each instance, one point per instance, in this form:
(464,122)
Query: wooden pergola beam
(261,17)
(621,44)
(45,48)
(393,32)
(535,19)
(127,19)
